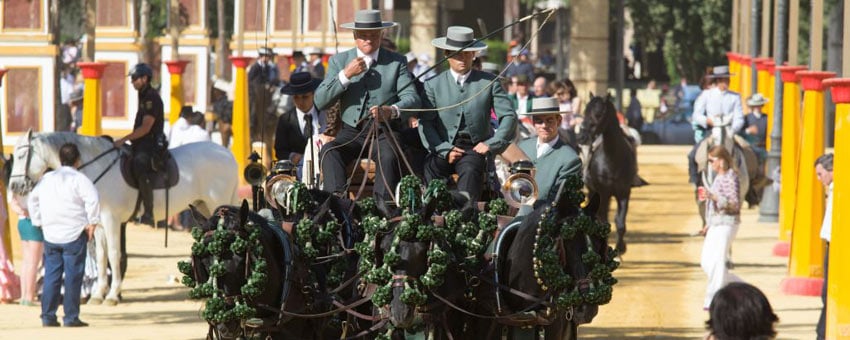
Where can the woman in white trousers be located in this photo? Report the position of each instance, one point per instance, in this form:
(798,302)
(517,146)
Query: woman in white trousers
(722,220)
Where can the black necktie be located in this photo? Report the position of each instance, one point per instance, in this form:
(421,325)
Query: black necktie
(308,125)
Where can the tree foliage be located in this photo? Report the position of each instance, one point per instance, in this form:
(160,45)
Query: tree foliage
(692,34)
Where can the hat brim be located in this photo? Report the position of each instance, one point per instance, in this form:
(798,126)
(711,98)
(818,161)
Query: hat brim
(756,102)
(384,25)
(441,44)
(716,76)
(308,87)
(541,113)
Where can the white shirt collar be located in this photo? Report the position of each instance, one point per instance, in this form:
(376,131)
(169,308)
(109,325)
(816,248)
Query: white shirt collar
(369,57)
(302,121)
(460,78)
(543,148)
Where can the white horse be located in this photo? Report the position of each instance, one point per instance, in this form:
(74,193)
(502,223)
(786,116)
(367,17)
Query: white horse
(208,178)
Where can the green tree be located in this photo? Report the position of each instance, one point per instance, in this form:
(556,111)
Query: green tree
(692,34)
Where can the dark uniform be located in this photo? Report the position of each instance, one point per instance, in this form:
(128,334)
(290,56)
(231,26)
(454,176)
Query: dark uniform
(147,149)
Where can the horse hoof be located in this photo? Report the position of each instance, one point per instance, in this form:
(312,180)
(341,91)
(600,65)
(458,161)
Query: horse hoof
(93,301)
(110,302)
(621,246)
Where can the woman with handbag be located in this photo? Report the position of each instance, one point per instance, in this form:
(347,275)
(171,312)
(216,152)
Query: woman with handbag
(722,220)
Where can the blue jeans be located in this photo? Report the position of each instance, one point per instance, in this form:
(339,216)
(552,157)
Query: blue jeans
(68,258)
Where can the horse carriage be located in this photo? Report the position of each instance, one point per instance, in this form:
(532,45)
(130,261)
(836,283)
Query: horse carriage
(313,265)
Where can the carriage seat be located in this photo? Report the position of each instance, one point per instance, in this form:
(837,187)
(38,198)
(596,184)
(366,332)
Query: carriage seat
(162,179)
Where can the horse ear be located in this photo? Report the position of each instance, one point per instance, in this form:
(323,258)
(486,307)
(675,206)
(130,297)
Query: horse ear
(199,218)
(29,133)
(243,211)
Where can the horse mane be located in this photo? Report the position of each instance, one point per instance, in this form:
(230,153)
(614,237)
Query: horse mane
(89,146)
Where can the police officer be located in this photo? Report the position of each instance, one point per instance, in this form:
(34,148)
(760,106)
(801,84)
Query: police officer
(146,136)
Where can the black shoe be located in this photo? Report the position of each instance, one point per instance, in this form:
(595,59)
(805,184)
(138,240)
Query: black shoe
(75,323)
(146,220)
(50,324)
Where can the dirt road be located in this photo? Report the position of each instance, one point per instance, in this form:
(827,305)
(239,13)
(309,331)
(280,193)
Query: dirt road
(659,295)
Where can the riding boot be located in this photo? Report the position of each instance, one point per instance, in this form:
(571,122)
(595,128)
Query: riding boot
(146,193)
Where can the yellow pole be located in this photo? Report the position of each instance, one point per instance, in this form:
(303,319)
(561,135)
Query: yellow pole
(92,73)
(176,68)
(761,87)
(7,235)
(735,70)
(770,67)
(241,128)
(838,286)
(805,266)
(746,78)
(791,123)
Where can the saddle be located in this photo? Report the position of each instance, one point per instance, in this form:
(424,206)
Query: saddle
(166,173)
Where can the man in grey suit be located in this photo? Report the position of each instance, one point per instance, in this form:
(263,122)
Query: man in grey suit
(364,79)
(458,133)
(553,159)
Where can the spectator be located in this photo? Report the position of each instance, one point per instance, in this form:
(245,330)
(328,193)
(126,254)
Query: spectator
(187,129)
(722,219)
(315,66)
(521,65)
(740,311)
(32,242)
(540,85)
(66,205)
(569,102)
(300,62)
(755,126)
(422,66)
(823,169)
(75,102)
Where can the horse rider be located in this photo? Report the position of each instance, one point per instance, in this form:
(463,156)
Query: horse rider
(457,133)
(263,79)
(716,102)
(147,139)
(361,79)
(755,126)
(553,159)
(297,126)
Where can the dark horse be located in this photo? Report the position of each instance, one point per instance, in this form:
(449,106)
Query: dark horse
(610,162)
(518,269)
(276,252)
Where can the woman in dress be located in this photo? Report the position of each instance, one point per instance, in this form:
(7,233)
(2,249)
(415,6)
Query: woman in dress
(722,220)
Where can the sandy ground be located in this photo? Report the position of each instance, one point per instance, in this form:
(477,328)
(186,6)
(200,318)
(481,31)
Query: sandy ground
(659,295)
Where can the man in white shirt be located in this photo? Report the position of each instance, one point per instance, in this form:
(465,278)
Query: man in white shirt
(65,204)
(187,129)
(823,169)
(297,127)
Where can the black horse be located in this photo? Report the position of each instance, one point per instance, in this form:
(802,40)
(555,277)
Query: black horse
(439,321)
(237,267)
(520,269)
(610,162)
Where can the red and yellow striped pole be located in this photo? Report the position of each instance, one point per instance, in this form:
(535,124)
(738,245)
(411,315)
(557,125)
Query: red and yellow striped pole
(241,127)
(805,266)
(735,70)
(176,68)
(838,286)
(92,73)
(791,130)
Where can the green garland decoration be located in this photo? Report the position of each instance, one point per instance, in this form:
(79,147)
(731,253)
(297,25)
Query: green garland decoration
(546,263)
(216,309)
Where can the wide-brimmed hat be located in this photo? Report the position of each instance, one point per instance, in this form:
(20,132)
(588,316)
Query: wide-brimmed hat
(720,72)
(312,50)
(757,100)
(490,67)
(544,106)
(368,19)
(458,37)
(266,51)
(300,83)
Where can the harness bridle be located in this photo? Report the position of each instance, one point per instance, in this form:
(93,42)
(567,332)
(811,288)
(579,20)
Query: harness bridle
(28,182)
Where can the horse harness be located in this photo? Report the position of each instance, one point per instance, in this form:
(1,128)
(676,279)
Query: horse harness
(29,183)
